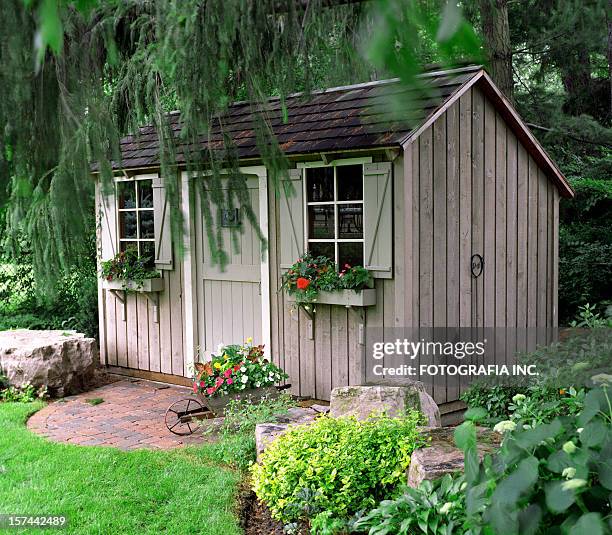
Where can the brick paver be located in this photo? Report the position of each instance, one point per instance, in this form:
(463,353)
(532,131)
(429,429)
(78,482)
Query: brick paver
(131,417)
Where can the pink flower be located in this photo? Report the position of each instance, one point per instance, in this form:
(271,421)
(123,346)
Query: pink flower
(227,372)
(202,384)
(229,381)
(210,391)
(219,382)
(195,387)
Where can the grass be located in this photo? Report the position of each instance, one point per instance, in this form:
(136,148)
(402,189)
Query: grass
(104,490)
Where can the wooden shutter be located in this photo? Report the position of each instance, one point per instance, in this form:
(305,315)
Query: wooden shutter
(107,213)
(163,233)
(378,219)
(291,218)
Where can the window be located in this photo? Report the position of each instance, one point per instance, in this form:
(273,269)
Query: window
(334,213)
(136,217)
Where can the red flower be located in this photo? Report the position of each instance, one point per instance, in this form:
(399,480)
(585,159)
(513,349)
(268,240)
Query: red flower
(202,384)
(237,367)
(303,283)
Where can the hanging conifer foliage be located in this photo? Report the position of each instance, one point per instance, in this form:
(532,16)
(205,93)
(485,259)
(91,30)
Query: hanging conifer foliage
(75,77)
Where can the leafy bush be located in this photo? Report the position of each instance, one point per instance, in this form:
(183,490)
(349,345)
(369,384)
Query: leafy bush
(25,393)
(495,399)
(435,508)
(553,478)
(344,465)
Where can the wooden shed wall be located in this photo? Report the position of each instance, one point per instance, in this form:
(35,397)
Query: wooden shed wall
(474,189)
(138,341)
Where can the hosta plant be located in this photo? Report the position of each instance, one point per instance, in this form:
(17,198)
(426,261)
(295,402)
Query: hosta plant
(235,368)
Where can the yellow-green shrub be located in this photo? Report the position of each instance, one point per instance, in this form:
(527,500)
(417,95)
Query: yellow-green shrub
(339,465)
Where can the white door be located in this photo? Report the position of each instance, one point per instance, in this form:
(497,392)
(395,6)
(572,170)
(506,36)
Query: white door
(229,300)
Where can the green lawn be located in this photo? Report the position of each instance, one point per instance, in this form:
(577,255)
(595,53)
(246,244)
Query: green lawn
(104,490)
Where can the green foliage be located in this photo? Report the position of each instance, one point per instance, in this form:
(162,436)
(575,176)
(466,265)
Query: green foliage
(495,399)
(433,508)
(25,393)
(589,318)
(342,464)
(585,246)
(309,275)
(236,368)
(552,477)
(129,266)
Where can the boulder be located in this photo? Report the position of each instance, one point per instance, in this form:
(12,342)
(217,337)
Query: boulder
(63,361)
(363,401)
(442,457)
(266,433)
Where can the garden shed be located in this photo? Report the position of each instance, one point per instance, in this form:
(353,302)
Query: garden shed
(411,204)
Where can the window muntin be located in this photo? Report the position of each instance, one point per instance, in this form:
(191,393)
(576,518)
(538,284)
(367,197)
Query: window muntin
(334,213)
(136,217)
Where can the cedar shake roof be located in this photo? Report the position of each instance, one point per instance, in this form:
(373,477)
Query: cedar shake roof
(340,118)
(343,118)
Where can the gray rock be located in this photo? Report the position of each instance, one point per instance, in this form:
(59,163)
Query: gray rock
(363,401)
(443,457)
(63,361)
(266,433)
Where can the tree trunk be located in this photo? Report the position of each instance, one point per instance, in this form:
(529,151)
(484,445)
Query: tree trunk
(610,55)
(496,33)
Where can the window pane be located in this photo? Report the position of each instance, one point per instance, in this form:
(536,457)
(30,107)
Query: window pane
(351,254)
(321,222)
(127,224)
(322,249)
(125,245)
(350,221)
(320,184)
(145,194)
(147,251)
(147,229)
(350,182)
(126,192)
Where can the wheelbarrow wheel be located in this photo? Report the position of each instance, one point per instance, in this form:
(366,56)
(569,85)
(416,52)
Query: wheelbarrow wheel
(182,416)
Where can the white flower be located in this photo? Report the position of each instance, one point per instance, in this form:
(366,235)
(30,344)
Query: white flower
(446,508)
(245,379)
(220,348)
(519,397)
(580,430)
(573,484)
(243,369)
(257,385)
(602,379)
(504,426)
(569,472)
(569,447)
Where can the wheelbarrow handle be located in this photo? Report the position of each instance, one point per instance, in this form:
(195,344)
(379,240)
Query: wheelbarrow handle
(283,387)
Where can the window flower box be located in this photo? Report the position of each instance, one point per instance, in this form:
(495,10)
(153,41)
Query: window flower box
(155,284)
(347,298)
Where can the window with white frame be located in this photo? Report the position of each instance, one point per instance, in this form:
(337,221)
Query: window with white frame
(334,213)
(136,217)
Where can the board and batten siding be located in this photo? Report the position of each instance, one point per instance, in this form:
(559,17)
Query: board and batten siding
(130,336)
(476,190)
(465,185)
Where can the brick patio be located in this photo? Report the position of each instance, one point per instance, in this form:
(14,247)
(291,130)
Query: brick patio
(131,417)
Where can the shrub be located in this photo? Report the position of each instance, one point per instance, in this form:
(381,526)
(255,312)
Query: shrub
(25,393)
(434,507)
(553,478)
(495,399)
(344,465)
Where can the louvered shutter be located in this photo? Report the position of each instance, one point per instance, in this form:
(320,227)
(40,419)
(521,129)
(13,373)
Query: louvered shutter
(378,219)
(291,218)
(107,214)
(163,233)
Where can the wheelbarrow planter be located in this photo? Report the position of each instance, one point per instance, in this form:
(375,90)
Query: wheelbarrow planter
(184,416)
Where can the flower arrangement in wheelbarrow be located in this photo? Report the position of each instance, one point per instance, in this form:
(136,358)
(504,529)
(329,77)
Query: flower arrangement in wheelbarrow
(235,368)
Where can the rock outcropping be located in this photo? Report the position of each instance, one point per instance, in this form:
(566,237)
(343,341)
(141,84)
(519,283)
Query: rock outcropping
(63,361)
(443,457)
(363,401)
